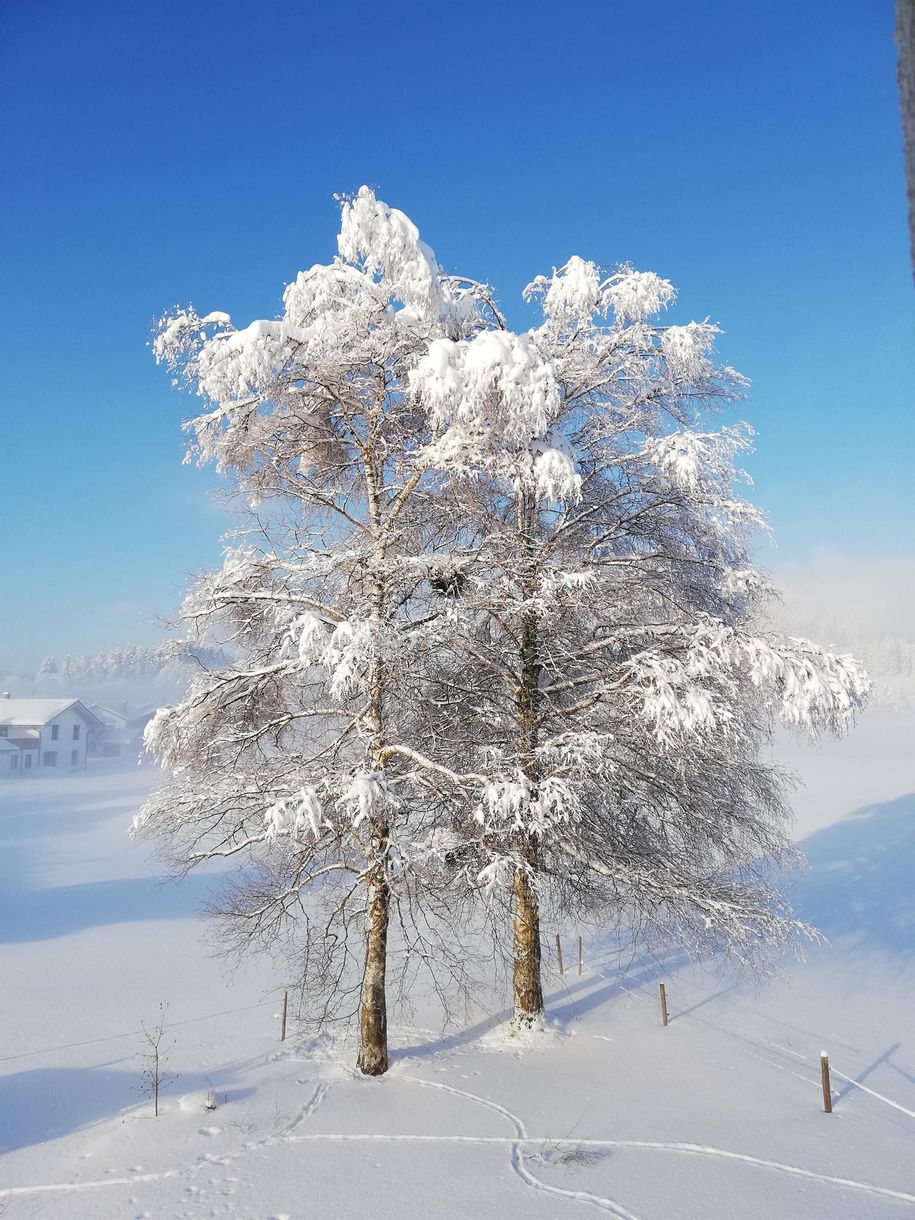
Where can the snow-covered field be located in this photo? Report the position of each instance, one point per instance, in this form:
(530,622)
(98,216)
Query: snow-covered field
(718,1115)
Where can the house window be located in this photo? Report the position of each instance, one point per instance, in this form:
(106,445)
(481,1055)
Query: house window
(55,731)
(14,762)
(50,758)
(28,762)
(4,730)
(76,729)
(74,757)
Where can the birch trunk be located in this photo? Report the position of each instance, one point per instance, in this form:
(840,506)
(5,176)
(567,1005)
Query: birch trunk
(527,989)
(373,1013)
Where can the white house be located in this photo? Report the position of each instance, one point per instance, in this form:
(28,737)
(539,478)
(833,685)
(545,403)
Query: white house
(52,735)
(10,758)
(122,735)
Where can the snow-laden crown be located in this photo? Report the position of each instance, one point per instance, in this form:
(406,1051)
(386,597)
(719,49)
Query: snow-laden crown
(490,400)
(497,593)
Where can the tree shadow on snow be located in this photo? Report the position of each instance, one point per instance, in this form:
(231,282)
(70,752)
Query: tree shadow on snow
(569,1002)
(41,914)
(46,1103)
(858,888)
(618,983)
(35,807)
(23,825)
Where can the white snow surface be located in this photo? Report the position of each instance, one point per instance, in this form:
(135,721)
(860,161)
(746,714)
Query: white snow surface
(719,1114)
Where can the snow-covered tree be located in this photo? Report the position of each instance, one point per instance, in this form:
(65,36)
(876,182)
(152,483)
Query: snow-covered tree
(47,670)
(299,756)
(622,687)
(494,621)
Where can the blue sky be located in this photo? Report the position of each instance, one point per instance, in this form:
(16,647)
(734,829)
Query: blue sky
(155,154)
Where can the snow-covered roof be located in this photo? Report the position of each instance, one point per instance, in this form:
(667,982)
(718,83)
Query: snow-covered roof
(126,714)
(30,713)
(7,746)
(106,713)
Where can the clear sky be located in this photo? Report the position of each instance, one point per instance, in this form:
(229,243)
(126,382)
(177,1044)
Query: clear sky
(158,153)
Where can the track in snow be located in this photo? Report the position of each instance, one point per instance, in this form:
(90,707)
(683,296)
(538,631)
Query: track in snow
(517,1158)
(518,1141)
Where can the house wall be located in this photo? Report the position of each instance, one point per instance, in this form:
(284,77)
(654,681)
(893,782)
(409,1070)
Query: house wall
(10,763)
(63,746)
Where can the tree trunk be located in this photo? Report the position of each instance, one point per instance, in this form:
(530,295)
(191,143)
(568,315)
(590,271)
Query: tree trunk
(527,990)
(373,1013)
(373,1009)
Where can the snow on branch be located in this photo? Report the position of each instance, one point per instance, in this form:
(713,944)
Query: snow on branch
(297,814)
(518,804)
(575,293)
(490,396)
(387,243)
(700,459)
(688,686)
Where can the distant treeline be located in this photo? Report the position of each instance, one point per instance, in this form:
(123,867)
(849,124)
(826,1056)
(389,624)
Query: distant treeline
(128,663)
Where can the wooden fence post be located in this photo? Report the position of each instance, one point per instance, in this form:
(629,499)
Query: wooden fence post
(579,955)
(827,1090)
(559,955)
(285,1007)
(662,991)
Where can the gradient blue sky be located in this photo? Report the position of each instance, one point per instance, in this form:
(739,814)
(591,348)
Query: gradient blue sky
(154,154)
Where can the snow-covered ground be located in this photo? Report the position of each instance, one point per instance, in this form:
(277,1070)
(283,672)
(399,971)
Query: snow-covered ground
(718,1115)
